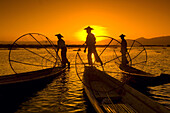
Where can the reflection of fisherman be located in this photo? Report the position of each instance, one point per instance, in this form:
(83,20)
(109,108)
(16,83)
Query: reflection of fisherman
(90,43)
(62,46)
(123,50)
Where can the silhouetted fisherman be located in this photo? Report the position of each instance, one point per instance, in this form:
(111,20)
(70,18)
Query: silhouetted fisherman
(123,50)
(90,44)
(61,45)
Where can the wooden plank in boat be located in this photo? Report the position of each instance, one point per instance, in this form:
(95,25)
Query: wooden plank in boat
(102,91)
(132,99)
(141,102)
(119,108)
(93,100)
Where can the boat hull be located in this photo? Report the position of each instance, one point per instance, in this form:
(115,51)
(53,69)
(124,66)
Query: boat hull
(110,95)
(29,80)
(140,78)
(18,88)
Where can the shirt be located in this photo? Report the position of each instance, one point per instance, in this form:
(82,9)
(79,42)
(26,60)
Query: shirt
(90,40)
(124,46)
(61,43)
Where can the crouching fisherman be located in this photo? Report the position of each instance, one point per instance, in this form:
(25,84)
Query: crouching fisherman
(61,45)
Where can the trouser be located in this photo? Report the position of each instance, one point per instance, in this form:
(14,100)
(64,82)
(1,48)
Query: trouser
(124,59)
(63,56)
(92,49)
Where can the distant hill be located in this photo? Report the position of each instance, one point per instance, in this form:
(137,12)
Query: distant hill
(6,42)
(164,40)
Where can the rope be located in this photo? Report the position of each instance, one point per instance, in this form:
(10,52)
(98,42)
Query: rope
(31,34)
(112,60)
(106,47)
(131,46)
(33,52)
(41,44)
(137,54)
(111,101)
(28,63)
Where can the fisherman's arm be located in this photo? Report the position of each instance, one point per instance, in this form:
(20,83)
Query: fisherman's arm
(57,48)
(94,39)
(85,44)
(85,47)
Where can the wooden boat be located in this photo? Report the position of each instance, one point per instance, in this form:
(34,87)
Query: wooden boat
(136,72)
(18,88)
(139,77)
(110,95)
(29,78)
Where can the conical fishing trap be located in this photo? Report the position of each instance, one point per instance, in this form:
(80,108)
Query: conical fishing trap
(109,51)
(32,52)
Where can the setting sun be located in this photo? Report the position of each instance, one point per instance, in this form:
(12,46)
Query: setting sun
(98,31)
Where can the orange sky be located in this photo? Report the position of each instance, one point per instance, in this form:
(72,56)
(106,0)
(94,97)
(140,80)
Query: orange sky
(135,18)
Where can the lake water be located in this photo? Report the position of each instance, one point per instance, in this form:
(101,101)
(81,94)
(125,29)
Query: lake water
(65,92)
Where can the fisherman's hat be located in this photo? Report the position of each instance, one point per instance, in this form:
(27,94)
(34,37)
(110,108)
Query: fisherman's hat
(122,35)
(59,35)
(88,28)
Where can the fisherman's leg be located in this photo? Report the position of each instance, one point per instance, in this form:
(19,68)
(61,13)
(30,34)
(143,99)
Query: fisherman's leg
(127,62)
(69,65)
(97,58)
(66,58)
(89,58)
(63,58)
(124,59)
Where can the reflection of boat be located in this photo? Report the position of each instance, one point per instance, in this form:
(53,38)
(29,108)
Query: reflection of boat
(29,78)
(110,95)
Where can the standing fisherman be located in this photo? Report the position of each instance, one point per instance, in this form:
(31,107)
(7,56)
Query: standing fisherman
(124,50)
(90,44)
(61,45)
